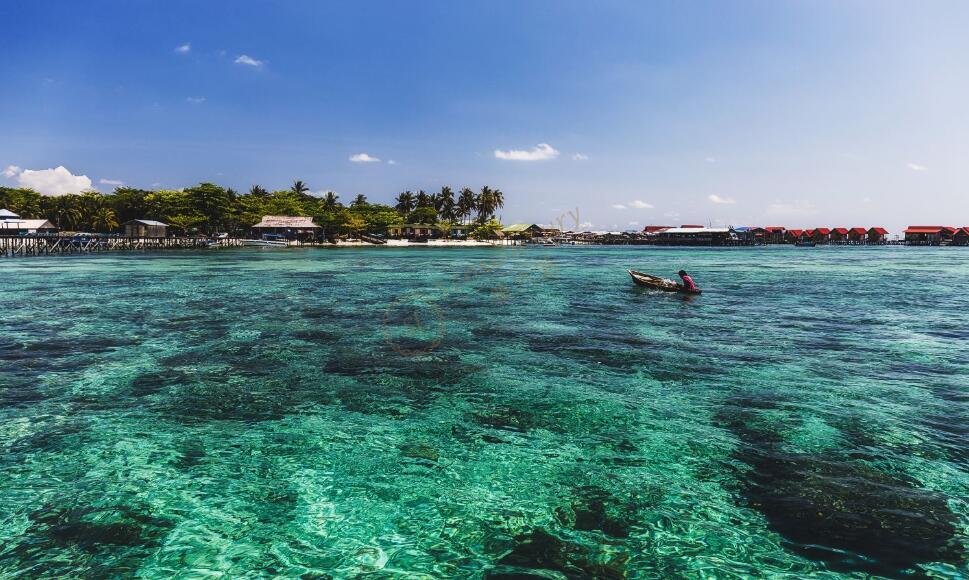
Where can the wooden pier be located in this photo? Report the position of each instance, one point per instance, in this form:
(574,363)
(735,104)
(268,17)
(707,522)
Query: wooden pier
(16,246)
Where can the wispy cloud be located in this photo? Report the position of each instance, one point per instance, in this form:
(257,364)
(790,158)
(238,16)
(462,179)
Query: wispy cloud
(917,167)
(639,204)
(115,182)
(57,181)
(11,170)
(195,100)
(542,152)
(585,225)
(618,206)
(722,200)
(364,158)
(249,61)
(391,162)
(634,223)
(580,157)
(184,48)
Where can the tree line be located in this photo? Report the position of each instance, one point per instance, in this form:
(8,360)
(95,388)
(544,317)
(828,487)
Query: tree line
(208,208)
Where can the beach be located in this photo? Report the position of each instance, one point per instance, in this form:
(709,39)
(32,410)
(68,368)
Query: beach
(487,412)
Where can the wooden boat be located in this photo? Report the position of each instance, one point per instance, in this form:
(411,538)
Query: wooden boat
(657,283)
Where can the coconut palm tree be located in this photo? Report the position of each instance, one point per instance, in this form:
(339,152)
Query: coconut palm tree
(299,188)
(486,204)
(424,200)
(104,220)
(445,204)
(466,203)
(258,191)
(405,202)
(330,200)
(359,201)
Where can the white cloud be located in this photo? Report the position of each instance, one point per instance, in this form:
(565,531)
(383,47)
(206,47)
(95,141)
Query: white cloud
(110,182)
(542,152)
(184,48)
(639,204)
(580,157)
(363,158)
(58,181)
(917,167)
(11,170)
(391,162)
(796,208)
(724,200)
(634,223)
(248,60)
(585,225)
(195,100)
(618,206)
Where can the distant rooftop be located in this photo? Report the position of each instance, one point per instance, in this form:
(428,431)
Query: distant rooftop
(7,214)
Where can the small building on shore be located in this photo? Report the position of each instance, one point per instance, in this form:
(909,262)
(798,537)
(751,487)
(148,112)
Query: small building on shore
(145,229)
(857,235)
(822,235)
(288,227)
(961,237)
(691,235)
(415,231)
(12,224)
(838,235)
(793,236)
(774,234)
(876,236)
(522,231)
(929,235)
(460,231)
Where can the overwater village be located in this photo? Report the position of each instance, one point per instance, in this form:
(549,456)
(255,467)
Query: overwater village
(20,236)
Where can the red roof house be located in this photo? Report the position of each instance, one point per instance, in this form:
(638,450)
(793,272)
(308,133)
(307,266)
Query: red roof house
(822,235)
(931,235)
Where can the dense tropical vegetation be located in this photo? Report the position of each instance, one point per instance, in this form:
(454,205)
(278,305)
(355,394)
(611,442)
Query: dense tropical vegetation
(208,208)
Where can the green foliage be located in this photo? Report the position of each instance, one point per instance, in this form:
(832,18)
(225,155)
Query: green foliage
(23,202)
(422,215)
(208,208)
(486,231)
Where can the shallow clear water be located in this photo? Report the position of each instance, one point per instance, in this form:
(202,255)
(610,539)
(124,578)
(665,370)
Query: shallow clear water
(485,412)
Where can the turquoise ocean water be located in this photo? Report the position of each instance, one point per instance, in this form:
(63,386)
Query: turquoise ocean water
(502,413)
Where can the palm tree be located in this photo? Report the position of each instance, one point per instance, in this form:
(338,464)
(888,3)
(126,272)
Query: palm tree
(359,201)
(445,204)
(330,200)
(486,204)
(104,220)
(424,200)
(405,202)
(66,213)
(499,198)
(258,191)
(299,188)
(466,203)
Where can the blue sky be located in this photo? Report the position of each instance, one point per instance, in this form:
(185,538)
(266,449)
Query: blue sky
(788,113)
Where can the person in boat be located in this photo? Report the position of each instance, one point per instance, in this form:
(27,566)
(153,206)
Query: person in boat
(688,282)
